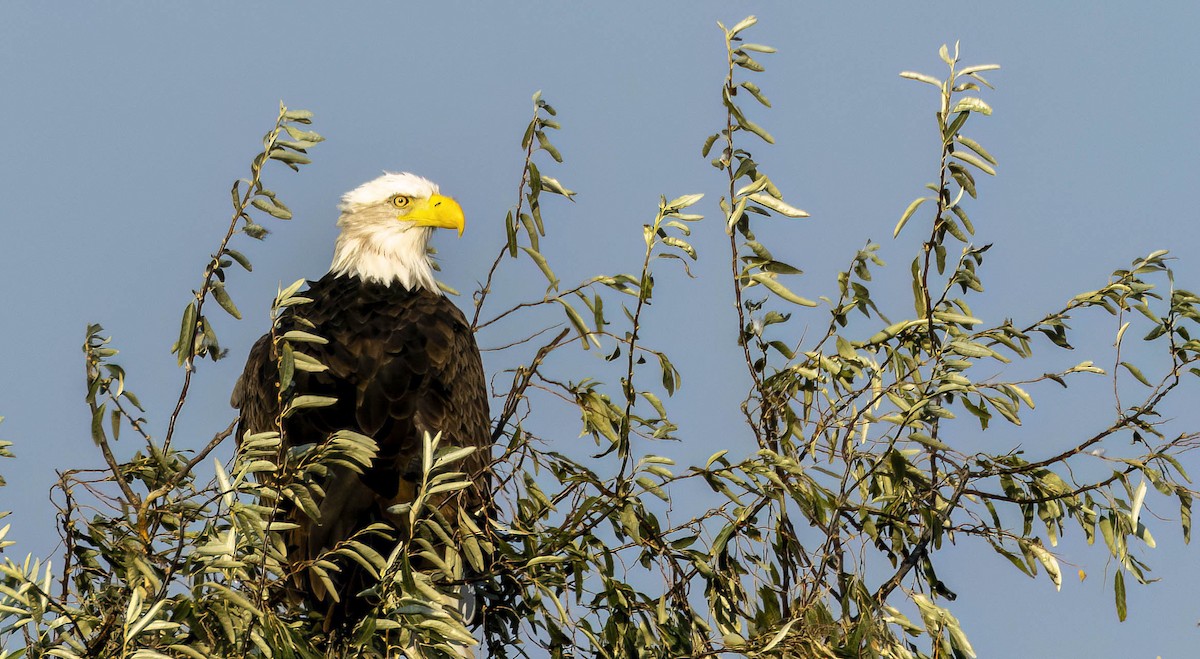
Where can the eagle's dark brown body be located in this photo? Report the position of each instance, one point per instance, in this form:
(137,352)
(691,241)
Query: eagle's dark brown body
(400,363)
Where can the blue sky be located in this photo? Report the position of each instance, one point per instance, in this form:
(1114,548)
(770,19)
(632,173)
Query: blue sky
(125,123)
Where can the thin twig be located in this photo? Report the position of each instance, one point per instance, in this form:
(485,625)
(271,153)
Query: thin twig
(523,341)
(1126,420)
(914,554)
(68,533)
(623,448)
(487,284)
(188,351)
(942,195)
(282,393)
(546,300)
(143,509)
(115,468)
(730,89)
(521,382)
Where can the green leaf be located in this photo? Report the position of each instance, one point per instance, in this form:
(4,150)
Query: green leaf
(139,626)
(891,331)
(974,146)
(928,442)
(223,299)
(98,425)
(675,224)
(956,318)
(1135,506)
(952,129)
(299,336)
(921,77)
(971,349)
(308,401)
(680,203)
(448,487)
(908,213)
(966,71)
(531,231)
(235,598)
(746,22)
(1012,558)
(187,333)
(779,636)
(756,129)
(577,322)
(546,146)
(1048,561)
(289,157)
(255,231)
(756,92)
(240,258)
(308,363)
(190,652)
(1185,513)
(757,47)
(735,216)
(972,104)
(543,266)
(1107,531)
(681,244)
(747,62)
(510,229)
(757,185)
(670,376)
(303,135)
(300,146)
(1136,372)
(845,349)
(1022,394)
(653,488)
(780,268)
(1119,594)
(972,159)
(777,205)
(1143,534)
(779,289)
(299,116)
(287,366)
(552,185)
(714,457)
(272,207)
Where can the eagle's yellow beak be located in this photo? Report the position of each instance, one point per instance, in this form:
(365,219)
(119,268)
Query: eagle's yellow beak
(436,211)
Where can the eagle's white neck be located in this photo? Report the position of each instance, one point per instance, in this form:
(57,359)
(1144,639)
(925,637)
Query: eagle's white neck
(389,253)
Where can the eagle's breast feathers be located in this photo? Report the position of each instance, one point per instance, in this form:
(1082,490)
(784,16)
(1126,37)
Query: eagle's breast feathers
(401,361)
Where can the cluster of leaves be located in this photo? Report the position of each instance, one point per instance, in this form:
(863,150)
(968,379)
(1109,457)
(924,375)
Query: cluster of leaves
(859,438)
(196,335)
(878,414)
(821,535)
(164,565)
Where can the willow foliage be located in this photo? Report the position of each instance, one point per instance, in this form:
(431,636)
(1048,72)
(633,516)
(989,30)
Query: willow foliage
(826,524)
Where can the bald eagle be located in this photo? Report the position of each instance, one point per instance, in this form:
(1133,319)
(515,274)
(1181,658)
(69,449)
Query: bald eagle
(402,361)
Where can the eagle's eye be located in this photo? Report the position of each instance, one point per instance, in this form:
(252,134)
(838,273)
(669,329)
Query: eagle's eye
(401,201)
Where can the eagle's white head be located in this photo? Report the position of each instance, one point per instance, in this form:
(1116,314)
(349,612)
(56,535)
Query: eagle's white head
(386,224)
